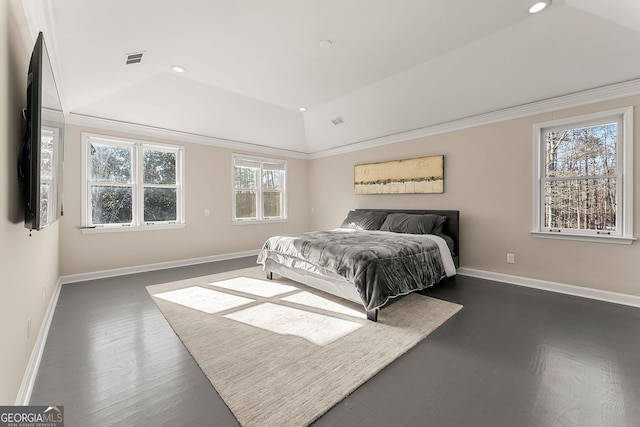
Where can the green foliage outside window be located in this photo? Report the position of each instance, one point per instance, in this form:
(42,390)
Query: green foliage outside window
(113,184)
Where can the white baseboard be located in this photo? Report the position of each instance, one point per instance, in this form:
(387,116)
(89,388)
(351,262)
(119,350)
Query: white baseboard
(82,277)
(562,288)
(29,378)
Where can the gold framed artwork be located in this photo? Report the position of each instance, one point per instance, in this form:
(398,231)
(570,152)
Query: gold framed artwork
(410,176)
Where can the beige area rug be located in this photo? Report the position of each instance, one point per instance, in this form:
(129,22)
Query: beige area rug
(282,354)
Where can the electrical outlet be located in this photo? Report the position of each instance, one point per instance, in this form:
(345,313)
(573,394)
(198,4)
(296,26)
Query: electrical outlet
(207,212)
(511,258)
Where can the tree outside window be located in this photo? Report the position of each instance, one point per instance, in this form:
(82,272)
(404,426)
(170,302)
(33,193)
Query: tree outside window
(132,183)
(581,178)
(258,189)
(584,177)
(159,185)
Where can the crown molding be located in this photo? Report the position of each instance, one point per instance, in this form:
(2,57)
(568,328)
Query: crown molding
(174,135)
(600,94)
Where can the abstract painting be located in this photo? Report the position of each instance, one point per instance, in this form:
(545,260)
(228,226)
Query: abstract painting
(410,176)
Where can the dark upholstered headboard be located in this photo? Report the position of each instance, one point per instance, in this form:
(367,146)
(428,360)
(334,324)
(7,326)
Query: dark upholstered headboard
(451,227)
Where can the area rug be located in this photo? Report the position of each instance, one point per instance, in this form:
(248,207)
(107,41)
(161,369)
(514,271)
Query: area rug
(282,354)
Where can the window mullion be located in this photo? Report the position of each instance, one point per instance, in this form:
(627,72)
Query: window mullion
(138,185)
(259,202)
(580,177)
(179,188)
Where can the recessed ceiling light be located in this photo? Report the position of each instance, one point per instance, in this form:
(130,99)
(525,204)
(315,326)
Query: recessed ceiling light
(178,68)
(303,109)
(539,6)
(326,44)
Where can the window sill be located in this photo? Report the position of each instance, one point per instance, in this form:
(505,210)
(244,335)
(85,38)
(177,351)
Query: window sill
(97,230)
(585,237)
(257,221)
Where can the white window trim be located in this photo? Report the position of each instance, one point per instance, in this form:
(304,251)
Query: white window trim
(625,187)
(138,224)
(260,219)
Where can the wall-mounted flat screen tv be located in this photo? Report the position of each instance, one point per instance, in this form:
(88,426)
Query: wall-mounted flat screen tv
(41,157)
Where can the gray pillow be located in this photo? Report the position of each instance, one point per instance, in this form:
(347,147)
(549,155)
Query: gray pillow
(414,223)
(364,220)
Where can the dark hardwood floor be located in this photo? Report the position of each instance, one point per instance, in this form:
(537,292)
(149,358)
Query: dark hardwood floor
(512,356)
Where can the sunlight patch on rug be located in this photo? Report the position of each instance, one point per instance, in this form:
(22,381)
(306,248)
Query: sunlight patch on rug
(315,301)
(206,300)
(315,328)
(285,360)
(249,285)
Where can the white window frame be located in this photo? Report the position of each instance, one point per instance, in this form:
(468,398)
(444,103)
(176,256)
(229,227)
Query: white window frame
(260,218)
(624,207)
(137,184)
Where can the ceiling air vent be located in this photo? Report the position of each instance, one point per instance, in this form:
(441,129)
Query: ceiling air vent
(133,58)
(337,121)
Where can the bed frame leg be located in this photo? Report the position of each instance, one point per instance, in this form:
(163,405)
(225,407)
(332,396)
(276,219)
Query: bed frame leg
(269,275)
(372,315)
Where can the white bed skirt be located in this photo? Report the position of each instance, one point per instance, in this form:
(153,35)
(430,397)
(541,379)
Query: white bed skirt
(338,287)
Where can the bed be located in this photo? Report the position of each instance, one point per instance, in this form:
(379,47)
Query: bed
(374,256)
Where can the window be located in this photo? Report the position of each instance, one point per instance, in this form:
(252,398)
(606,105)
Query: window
(258,189)
(49,191)
(584,178)
(131,183)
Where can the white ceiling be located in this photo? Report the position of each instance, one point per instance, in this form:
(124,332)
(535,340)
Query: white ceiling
(392,67)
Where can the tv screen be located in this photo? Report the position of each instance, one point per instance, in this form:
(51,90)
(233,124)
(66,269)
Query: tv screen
(41,157)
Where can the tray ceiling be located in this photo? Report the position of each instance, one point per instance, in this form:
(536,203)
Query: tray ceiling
(391,66)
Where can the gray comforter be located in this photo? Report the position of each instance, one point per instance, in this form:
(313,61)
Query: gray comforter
(380,264)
